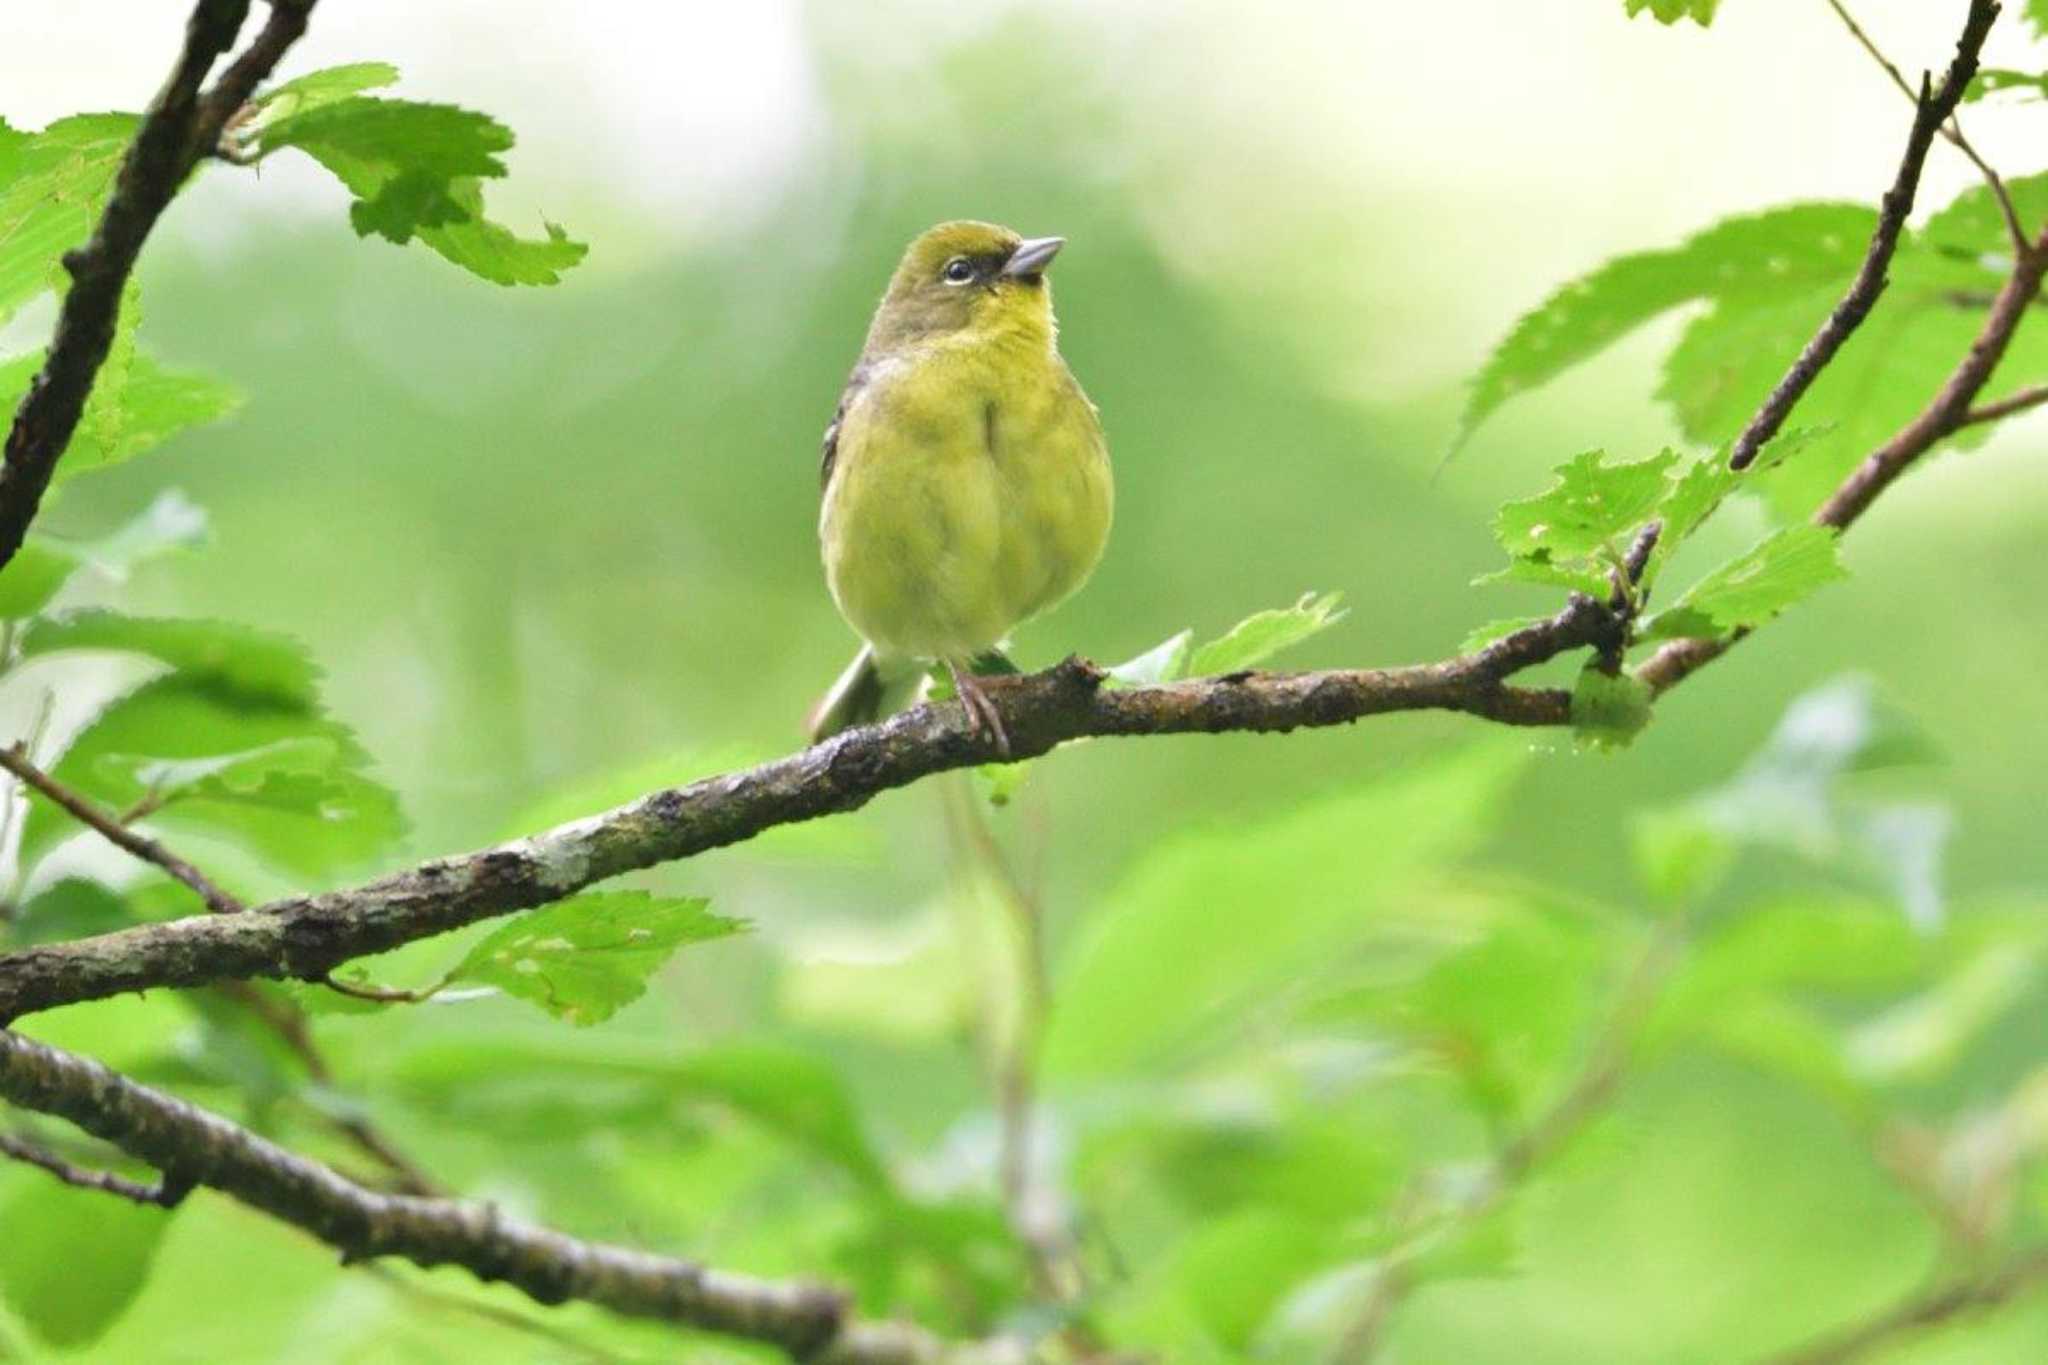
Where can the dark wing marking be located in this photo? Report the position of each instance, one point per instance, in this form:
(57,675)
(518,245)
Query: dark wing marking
(855,383)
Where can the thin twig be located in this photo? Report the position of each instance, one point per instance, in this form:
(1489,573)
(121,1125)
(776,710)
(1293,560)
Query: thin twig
(15,760)
(2023,1272)
(1951,131)
(164,1194)
(283,1018)
(810,1323)
(2005,407)
(1930,110)
(180,126)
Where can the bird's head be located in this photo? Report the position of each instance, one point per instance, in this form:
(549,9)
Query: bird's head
(968,279)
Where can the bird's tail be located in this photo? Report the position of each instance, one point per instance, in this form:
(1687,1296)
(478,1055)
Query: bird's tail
(864,692)
(870,689)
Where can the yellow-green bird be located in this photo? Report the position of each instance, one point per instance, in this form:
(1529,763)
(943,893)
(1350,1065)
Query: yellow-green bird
(966,480)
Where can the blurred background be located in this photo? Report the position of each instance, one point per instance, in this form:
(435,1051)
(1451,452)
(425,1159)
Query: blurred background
(557,546)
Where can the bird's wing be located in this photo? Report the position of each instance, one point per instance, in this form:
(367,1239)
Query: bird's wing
(856,384)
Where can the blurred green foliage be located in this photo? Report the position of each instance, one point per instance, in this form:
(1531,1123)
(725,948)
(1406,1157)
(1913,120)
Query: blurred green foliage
(1314,1010)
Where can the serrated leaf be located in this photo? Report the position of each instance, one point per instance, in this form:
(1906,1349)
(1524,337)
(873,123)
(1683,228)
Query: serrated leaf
(53,185)
(1590,507)
(260,665)
(1264,634)
(1753,587)
(136,404)
(1740,258)
(1701,12)
(183,717)
(317,88)
(584,958)
(1609,710)
(1997,81)
(416,171)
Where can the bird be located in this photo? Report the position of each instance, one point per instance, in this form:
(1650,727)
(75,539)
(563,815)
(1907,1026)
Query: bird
(966,479)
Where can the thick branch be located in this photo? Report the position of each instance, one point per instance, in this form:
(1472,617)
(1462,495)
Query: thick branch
(1931,110)
(201,1148)
(180,126)
(2024,1272)
(307,937)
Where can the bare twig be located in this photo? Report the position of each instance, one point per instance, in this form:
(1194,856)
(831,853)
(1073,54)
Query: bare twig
(2023,1272)
(165,1193)
(283,1018)
(808,1322)
(180,126)
(1932,108)
(2005,407)
(1951,131)
(15,760)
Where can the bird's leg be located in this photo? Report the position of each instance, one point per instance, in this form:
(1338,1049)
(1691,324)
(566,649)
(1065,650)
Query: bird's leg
(982,716)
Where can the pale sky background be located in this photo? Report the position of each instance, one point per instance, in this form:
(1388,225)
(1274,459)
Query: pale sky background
(1522,141)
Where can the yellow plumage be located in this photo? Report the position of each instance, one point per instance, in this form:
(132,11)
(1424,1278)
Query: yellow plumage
(967,483)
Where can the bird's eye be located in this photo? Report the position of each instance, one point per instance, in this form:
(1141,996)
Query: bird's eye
(959,270)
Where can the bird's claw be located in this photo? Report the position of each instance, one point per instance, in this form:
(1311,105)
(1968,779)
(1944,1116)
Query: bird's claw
(982,716)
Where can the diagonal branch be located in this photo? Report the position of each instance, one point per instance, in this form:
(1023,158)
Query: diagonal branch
(1931,110)
(2024,1272)
(1951,131)
(809,1323)
(307,937)
(180,127)
(15,760)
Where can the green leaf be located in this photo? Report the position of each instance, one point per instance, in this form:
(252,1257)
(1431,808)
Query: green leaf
(416,171)
(44,564)
(1263,634)
(1588,511)
(1609,710)
(584,958)
(53,185)
(1211,923)
(1701,12)
(2035,13)
(316,89)
(1750,589)
(136,404)
(1233,1271)
(73,907)
(261,666)
(1996,81)
(183,717)
(28,582)
(1162,663)
(1732,263)
(71,1268)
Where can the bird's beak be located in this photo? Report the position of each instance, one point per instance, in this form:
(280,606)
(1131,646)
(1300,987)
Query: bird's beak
(1032,256)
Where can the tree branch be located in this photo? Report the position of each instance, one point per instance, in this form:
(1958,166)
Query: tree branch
(2023,1272)
(1952,130)
(165,1193)
(2005,407)
(1947,413)
(307,937)
(181,126)
(1931,110)
(15,760)
(810,1323)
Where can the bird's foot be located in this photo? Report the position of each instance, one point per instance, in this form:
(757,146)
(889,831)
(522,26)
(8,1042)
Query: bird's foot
(982,716)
